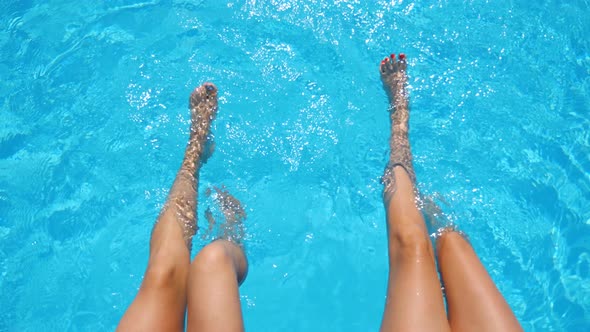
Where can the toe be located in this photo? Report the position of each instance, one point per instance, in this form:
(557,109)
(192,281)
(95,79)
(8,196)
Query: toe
(402,64)
(389,63)
(205,92)
(208,91)
(383,67)
(210,88)
(392,60)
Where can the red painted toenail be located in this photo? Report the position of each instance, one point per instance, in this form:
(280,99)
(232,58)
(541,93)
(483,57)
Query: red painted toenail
(402,56)
(392,56)
(386,59)
(382,62)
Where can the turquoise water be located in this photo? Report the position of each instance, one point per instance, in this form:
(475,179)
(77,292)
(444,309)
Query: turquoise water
(94,121)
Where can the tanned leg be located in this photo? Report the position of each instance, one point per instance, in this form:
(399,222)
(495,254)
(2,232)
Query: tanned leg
(414,296)
(216,273)
(474,302)
(161,302)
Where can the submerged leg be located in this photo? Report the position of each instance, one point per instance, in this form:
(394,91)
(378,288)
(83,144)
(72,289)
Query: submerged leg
(414,297)
(161,302)
(474,302)
(216,273)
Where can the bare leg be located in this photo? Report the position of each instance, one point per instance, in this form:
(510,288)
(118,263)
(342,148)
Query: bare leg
(161,302)
(216,273)
(414,297)
(474,302)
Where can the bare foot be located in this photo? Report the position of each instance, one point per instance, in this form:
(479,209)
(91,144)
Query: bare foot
(394,78)
(203,106)
(231,228)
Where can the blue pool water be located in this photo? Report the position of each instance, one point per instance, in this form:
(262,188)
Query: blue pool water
(94,121)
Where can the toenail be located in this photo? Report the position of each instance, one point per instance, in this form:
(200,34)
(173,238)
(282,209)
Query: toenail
(392,56)
(210,87)
(402,56)
(386,59)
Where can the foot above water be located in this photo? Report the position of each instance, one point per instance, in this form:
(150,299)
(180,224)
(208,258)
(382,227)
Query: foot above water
(203,106)
(393,75)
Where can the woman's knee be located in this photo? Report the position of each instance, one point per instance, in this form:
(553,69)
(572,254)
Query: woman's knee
(220,255)
(162,274)
(451,240)
(410,241)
